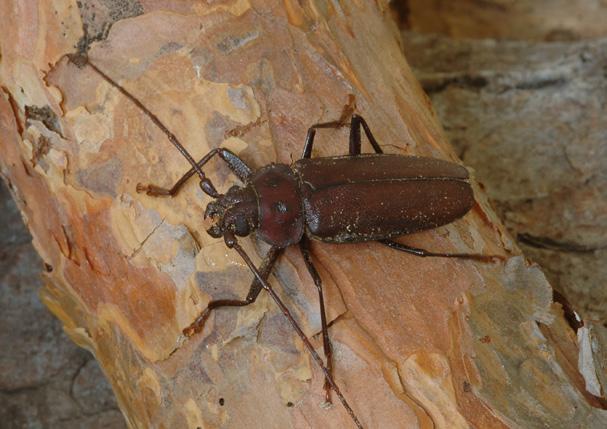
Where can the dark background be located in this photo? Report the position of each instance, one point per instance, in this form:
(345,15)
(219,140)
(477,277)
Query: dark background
(46,381)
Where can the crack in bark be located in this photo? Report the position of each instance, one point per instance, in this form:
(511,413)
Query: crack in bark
(540,83)
(138,249)
(440,84)
(437,84)
(14,108)
(46,116)
(26,389)
(342,316)
(548,243)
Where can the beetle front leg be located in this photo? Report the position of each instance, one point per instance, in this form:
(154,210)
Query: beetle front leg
(425,253)
(237,165)
(304,246)
(256,287)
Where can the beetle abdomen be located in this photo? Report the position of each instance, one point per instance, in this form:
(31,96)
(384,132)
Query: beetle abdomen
(386,198)
(373,211)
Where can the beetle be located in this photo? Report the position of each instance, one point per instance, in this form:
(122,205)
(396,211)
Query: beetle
(339,199)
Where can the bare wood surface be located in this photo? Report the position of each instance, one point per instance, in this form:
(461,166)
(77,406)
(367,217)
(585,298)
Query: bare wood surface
(418,342)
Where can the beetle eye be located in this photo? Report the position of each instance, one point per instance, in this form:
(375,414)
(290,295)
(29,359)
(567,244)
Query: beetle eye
(212,210)
(215,231)
(241,226)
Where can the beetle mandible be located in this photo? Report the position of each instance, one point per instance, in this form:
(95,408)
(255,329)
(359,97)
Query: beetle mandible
(340,199)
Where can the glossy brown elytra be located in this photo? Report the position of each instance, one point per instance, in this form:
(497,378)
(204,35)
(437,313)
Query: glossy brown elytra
(344,199)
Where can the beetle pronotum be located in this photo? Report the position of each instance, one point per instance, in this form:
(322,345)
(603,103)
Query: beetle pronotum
(353,198)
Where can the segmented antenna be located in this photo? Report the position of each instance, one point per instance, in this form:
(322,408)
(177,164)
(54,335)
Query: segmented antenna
(205,183)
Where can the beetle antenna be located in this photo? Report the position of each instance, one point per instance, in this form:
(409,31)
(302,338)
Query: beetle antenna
(205,182)
(231,242)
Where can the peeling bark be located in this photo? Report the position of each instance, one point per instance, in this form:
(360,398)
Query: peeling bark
(418,342)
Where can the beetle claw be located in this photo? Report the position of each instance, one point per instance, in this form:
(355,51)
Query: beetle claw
(152,190)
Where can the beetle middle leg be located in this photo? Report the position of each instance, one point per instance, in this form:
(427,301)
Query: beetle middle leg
(341,122)
(237,165)
(256,287)
(304,246)
(356,123)
(232,243)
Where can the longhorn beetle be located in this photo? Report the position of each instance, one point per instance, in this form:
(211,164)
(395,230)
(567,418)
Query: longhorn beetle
(339,199)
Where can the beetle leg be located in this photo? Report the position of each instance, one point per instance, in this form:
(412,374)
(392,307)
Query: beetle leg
(232,243)
(237,165)
(424,253)
(342,121)
(256,287)
(355,142)
(355,138)
(304,246)
(83,59)
(307,152)
(234,162)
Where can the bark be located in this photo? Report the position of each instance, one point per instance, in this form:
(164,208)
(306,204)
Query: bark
(443,343)
(539,20)
(528,118)
(45,379)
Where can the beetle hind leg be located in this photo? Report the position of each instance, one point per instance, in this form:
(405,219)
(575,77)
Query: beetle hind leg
(304,246)
(426,253)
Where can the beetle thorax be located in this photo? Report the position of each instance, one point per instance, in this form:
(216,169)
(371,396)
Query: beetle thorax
(281,220)
(235,212)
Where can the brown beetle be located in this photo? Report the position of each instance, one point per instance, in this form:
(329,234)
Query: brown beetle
(341,199)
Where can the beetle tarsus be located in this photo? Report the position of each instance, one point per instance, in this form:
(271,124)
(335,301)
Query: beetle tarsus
(198,324)
(153,190)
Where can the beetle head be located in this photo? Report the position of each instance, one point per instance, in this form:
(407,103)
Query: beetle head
(235,212)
